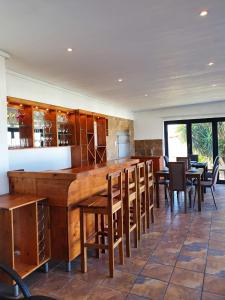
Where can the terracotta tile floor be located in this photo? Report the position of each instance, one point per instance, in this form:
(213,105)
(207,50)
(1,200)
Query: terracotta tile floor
(182,256)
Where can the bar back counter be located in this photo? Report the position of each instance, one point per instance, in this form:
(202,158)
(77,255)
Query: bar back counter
(64,189)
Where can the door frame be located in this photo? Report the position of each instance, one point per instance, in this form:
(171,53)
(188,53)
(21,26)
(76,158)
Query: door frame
(188,123)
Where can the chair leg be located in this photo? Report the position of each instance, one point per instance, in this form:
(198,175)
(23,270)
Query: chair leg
(102,230)
(83,241)
(185,201)
(110,244)
(135,218)
(144,211)
(148,208)
(139,215)
(152,202)
(120,235)
(195,197)
(213,197)
(97,250)
(189,196)
(165,192)
(127,228)
(171,201)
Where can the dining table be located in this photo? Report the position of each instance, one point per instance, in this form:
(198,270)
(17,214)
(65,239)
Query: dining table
(191,174)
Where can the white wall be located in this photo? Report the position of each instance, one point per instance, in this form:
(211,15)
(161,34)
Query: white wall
(21,86)
(31,89)
(4,163)
(149,124)
(40,159)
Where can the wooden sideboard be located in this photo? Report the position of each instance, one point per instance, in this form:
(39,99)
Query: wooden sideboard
(24,234)
(64,189)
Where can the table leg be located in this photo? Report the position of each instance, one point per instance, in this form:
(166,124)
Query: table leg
(199,193)
(157,191)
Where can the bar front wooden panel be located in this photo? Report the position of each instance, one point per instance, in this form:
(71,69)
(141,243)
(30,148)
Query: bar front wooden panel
(64,189)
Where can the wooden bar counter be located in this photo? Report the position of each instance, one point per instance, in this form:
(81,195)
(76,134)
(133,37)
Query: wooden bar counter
(64,189)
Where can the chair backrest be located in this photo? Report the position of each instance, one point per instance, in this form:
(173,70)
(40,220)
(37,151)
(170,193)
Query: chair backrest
(177,176)
(215,175)
(115,186)
(166,161)
(215,163)
(193,157)
(130,181)
(149,172)
(141,174)
(186,160)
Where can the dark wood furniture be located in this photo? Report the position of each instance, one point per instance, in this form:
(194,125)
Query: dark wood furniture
(24,234)
(111,208)
(178,183)
(130,208)
(157,161)
(210,184)
(149,191)
(64,189)
(141,193)
(33,124)
(195,174)
(91,131)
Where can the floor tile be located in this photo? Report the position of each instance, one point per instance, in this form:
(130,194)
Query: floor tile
(158,271)
(214,284)
(150,288)
(121,281)
(175,292)
(191,263)
(209,296)
(187,278)
(104,293)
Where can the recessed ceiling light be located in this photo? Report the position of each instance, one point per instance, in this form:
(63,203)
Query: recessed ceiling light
(214,85)
(120,80)
(146,95)
(69,49)
(203,13)
(211,63)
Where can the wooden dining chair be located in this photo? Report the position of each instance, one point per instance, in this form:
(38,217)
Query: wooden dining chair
(186,160)
(209,184)
(149,177)
(178,182)
(110,207)
(166,161)
(130,208)
(209,174)
(141,192)
(193,157)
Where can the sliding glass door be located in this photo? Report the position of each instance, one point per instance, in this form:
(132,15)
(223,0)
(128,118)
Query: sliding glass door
(205,137)
(177,141)
(202,142)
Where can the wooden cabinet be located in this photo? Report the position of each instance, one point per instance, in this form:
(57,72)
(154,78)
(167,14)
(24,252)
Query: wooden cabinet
(24,234)
(33,124)
(90,148)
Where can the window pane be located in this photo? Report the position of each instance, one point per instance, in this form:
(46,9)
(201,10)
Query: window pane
(177,140)
(202,143)
(221,148)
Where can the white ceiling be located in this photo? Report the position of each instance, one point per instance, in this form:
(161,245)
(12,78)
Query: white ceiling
(159,47)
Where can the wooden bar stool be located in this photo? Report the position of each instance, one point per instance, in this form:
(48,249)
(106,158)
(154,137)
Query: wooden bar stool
(141,193)
(130,207)
(110,207)
(149,191)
